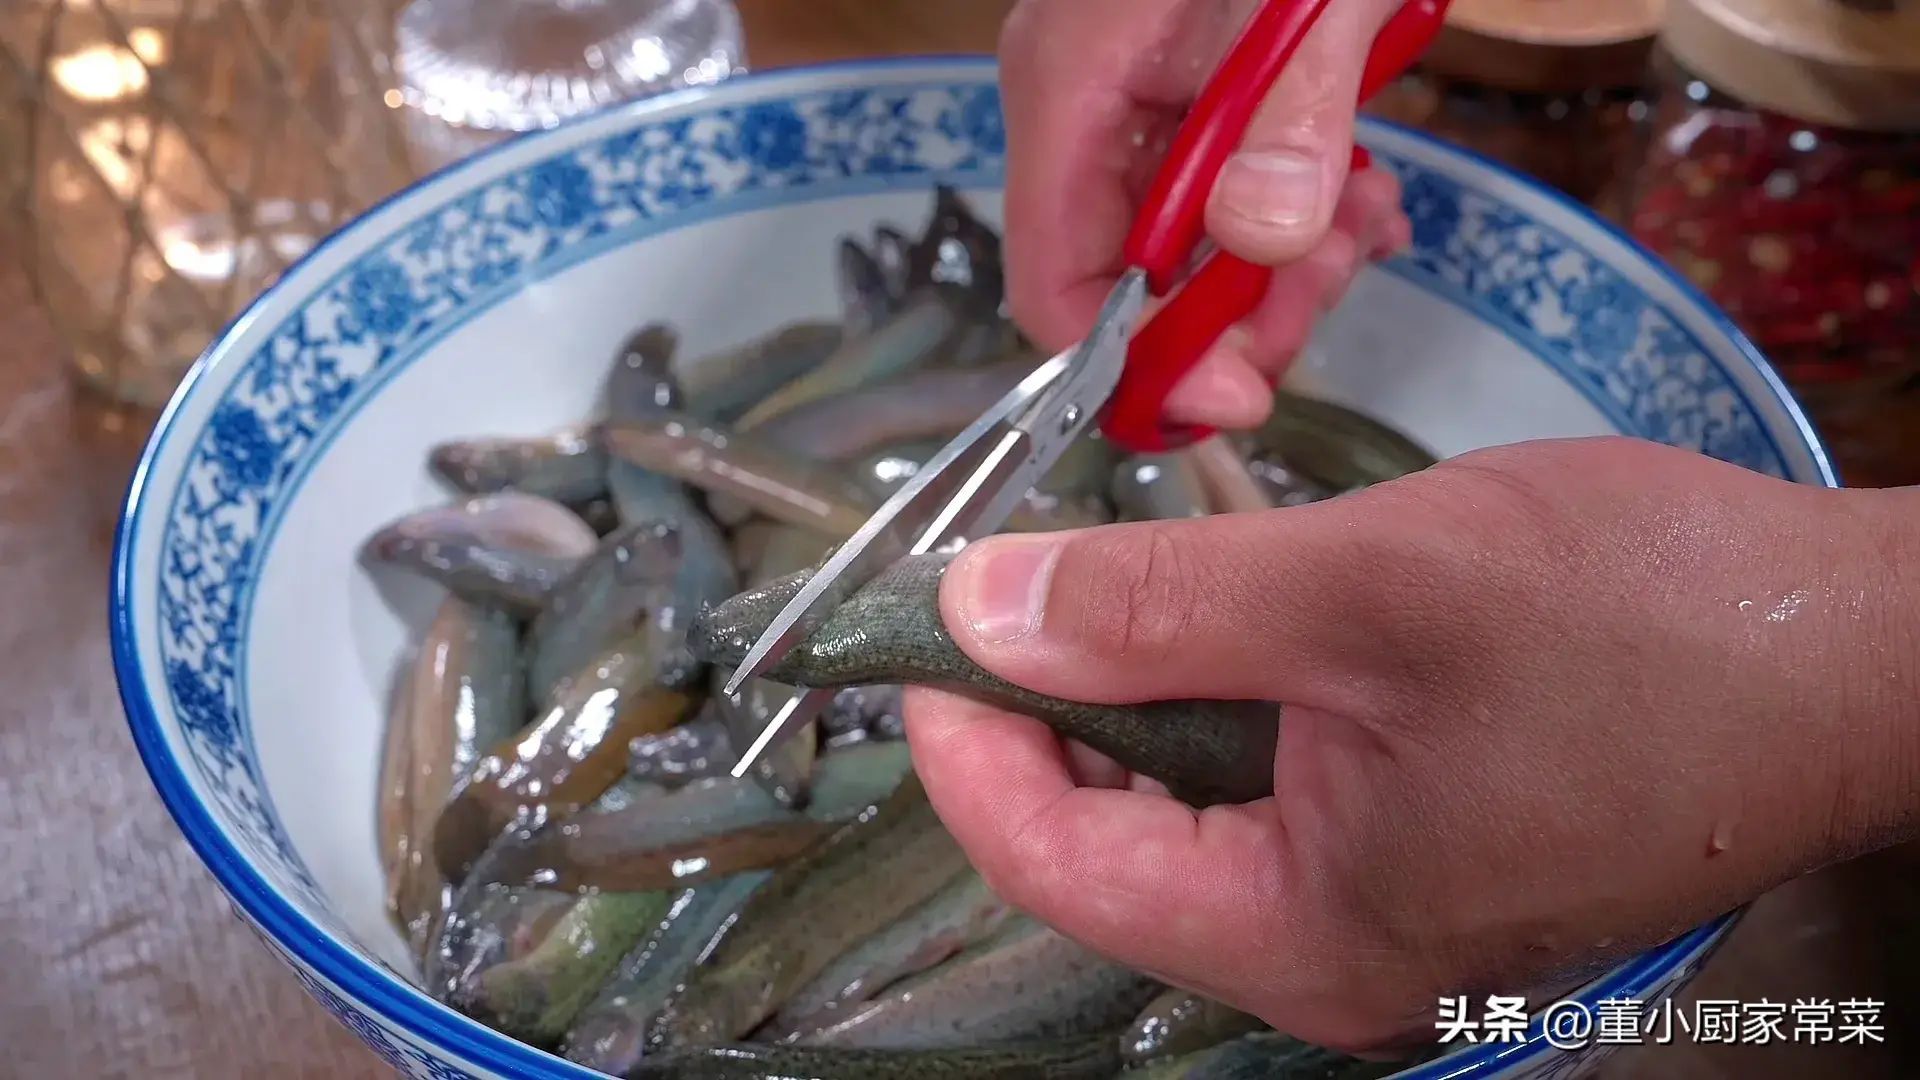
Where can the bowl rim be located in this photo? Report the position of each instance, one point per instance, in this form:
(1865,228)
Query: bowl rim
(400,1003)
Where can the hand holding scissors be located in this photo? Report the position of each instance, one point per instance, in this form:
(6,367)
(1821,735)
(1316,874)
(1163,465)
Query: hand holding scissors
(1120,374)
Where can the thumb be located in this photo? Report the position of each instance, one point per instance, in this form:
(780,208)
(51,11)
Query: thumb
(1275,197)
(1267,606)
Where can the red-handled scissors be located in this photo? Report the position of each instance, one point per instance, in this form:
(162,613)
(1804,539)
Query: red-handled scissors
(1226,288)
(1118,375)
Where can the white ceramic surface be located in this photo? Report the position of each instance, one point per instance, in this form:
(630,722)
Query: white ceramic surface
(254,653)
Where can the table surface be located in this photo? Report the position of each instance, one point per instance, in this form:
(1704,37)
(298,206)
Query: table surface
(121,957)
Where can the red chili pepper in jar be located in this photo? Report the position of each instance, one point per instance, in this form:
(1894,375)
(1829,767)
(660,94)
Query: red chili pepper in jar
(1791,191)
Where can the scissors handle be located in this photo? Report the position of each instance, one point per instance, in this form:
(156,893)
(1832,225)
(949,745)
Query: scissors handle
(1226,288)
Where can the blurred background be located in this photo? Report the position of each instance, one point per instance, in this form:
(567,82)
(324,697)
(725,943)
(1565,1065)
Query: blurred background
(162,161)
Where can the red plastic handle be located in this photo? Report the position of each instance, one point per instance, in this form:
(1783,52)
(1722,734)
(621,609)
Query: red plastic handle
(1226,288)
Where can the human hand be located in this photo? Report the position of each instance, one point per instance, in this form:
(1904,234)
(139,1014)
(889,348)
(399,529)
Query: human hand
(1544,706)
(1093,93)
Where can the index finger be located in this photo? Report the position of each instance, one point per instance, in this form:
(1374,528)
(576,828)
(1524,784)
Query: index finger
(1092,93)
(1139,877)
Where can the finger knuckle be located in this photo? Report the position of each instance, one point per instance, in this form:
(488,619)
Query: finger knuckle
(1400,580)
(1032,306)
(1138,591)
(1382,189)
(1022,36)
(1494,489)
(1335,262)
(1500,495)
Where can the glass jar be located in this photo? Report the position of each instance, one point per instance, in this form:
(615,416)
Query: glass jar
(1553,88)
(1781,174)
(471,73)
(171,158)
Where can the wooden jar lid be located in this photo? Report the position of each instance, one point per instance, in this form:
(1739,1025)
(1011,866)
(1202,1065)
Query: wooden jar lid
(1546,46)
(1849,63)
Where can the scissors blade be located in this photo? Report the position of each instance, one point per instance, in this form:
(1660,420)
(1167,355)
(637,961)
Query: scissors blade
(887,535)
(969,489)
(792,715)
(1056,420)
(1033,442)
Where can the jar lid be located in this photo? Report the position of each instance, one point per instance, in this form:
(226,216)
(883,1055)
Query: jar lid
(1849,63)
(1546,46)
(512,66)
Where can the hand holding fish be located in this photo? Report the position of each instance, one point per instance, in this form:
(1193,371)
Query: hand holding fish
(1086,133)
(1542,706)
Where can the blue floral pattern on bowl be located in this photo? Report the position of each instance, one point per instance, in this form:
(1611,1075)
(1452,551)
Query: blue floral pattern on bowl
(1600,329)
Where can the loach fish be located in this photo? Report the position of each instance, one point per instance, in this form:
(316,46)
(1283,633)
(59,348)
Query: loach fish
(1281,486)
(1180,1022)
(1084,471)
(886,471)
(1335,448)
(695,750)
(567,466)
(890,631)
(787,549)
(562,762)
(535,997)
(610,1034)
(958,251)
(642,388)
(1227,477)
(719,387)
(642,376)
(1025,982)
(749,542)
(855,882)
(864,712)
(639,387)
(1080,1059)
(954,284)
(393,813)
(986,342)
(1150,487)
(658,838)
(893,252)
(962,913)
(642,585)
(911,336)
(865,296)
(508,549)
(771,481)
(1265,1055)
(809,494)
(935,403)
(599,514)
(462,694)
(485,927)
(783,773)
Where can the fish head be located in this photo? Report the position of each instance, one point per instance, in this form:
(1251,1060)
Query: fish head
(642,382)
(894,254)
(509,522)
(470,465)
(961,252)
(646,552)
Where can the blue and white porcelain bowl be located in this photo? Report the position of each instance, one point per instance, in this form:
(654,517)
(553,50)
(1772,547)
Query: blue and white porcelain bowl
(252,651)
